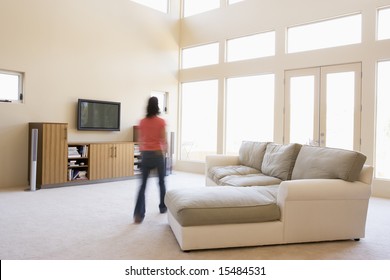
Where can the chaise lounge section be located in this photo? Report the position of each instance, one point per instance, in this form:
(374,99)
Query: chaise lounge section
(273,194)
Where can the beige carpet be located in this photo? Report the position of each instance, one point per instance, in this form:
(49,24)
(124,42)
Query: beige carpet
(95,222)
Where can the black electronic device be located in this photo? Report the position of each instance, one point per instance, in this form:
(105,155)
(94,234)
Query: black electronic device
(98,115)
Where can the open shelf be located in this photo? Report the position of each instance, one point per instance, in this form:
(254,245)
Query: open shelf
(78,162)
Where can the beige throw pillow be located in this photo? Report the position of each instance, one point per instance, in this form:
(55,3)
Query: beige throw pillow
(279,160)
(328,163)
(251,154)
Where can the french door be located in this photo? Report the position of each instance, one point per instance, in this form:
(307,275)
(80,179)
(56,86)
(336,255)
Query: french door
(323,106)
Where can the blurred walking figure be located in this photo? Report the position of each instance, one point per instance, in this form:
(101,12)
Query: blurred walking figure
(153,146)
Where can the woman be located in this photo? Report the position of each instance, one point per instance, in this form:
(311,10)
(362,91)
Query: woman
(153,146)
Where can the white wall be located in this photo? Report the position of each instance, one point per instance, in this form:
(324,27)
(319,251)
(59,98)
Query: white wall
(97,49)
(254,16)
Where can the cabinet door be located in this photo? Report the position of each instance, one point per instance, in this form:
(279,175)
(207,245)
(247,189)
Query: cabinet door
(110,160)
(54,153)
(123,160)
(100,161)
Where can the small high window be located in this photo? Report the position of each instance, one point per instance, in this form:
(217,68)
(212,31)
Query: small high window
(325,34)
(11,86)
(159,5)
(200,55)
(383,24)
(193,7)
(248,47)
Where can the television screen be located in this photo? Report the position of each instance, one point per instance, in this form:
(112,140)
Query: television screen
(98,115)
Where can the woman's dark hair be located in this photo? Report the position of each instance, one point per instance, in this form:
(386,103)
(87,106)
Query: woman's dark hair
(152,109)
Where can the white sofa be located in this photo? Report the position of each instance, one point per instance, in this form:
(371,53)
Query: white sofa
(311,209)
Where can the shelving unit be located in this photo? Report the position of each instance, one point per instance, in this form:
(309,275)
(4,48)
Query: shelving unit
(137,160)
(61,163)
(78,162)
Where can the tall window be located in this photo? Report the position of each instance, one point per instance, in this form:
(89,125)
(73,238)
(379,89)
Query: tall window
(200,55)
(199,120)
(193,7)
(382,158)
(325,34)
(383,24)
(159,5)
(11,89)
(249,110)
(248,47)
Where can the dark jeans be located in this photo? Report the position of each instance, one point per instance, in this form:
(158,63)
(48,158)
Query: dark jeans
(151,160)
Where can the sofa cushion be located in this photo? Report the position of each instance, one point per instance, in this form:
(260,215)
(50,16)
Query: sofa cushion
(279,160)
(251,154)
(328,163)
(222,205)
(249,180)
(216,173)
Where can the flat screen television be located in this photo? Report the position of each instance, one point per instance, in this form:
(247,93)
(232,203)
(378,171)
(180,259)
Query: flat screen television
(98,115)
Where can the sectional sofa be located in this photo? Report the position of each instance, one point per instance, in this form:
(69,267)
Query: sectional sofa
(273,194)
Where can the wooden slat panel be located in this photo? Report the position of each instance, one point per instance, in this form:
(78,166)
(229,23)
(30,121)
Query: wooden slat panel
(63,153)
(100,161)
(54,154)
(93,162)
(123,161)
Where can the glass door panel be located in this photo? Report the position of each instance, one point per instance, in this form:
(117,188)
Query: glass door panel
(340,106)
(302,94)
(301,106)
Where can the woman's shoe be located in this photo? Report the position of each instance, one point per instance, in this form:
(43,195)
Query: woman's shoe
(138,219)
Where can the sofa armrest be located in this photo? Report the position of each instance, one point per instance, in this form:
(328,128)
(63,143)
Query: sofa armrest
(322,189)
(220,160)
(323,209)
(366,174)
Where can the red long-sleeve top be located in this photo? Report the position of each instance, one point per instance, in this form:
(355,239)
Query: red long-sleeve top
(152,134)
